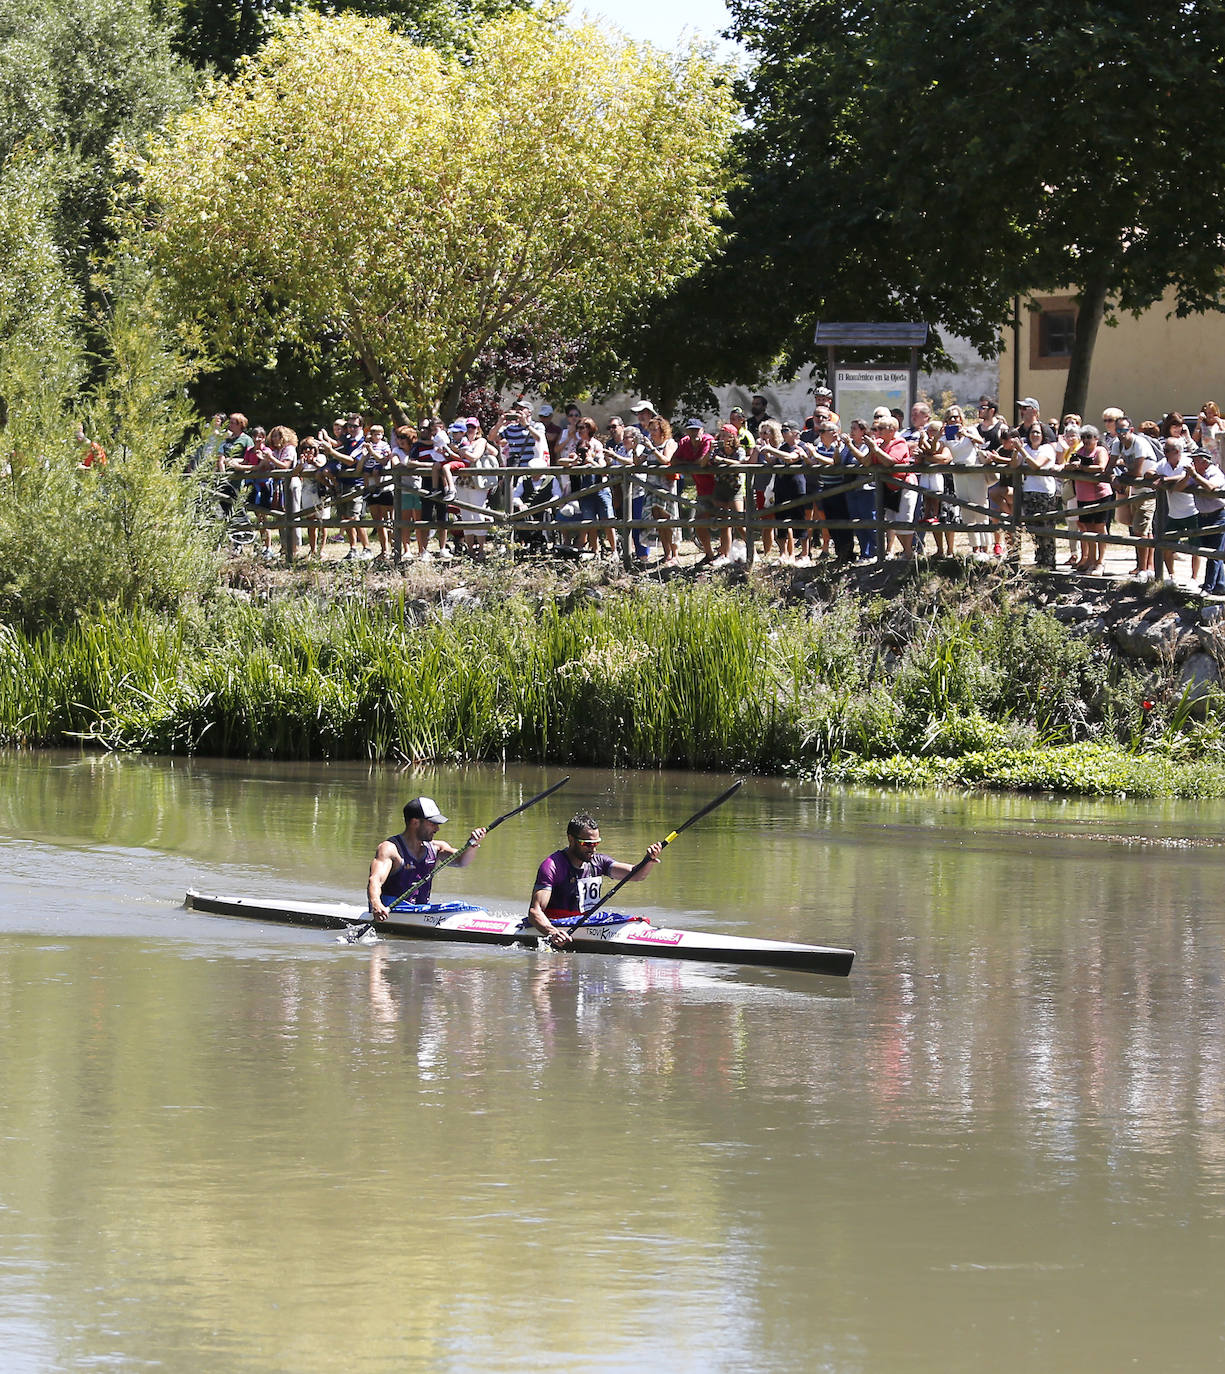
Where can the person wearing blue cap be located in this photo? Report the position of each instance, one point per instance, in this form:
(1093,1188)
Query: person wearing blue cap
(409,858)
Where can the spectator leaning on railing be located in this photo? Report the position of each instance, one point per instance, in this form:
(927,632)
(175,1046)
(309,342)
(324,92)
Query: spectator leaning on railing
(1090,468)
(658,450)
(231,442)
(1172,477)
(310,472)
(1206,483)
(475,484)
(970,481)
(888,450)
(1040,501)
(1134,461)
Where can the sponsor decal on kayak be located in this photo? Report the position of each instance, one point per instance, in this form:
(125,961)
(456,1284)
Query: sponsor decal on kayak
(651,936)
(489,923)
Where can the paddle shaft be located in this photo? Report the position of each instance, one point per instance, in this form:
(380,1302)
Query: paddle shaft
(355,933)
(646,858)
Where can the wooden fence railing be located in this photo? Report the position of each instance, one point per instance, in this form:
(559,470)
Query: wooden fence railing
(748,523)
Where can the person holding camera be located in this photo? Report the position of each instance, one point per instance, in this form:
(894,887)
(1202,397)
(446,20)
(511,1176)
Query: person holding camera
(587,463)
(970,481)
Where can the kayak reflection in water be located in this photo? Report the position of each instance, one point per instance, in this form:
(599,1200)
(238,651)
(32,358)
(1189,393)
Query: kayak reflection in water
(407,860)
(568,881)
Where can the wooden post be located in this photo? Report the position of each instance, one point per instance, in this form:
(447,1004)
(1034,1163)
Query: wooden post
(753,522)
(1160,509)
(628,535)
(879,517)
(287,529)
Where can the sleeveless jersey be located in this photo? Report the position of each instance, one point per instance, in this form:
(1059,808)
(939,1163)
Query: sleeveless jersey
(412,871)
(574,890)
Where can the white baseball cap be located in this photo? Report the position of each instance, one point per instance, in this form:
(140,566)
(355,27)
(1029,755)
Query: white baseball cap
(424,809)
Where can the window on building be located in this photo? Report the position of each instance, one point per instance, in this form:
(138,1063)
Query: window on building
(1056,333)
(1052,332)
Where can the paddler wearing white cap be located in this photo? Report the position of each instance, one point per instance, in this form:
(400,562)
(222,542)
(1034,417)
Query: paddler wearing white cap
(408,860)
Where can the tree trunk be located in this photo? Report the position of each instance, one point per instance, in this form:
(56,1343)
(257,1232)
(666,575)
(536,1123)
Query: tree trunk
(1092,306)
(450,399)
(394,409)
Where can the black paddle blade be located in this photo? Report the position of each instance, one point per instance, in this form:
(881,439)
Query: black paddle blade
(354,935)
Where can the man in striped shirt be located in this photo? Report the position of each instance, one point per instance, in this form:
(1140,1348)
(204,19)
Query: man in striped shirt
(525,439)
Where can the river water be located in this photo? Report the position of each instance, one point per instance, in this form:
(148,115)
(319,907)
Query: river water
(233,1147)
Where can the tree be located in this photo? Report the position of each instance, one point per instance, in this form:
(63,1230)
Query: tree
(933,159)
(75,75)
(422,207)
(40,308)
(711,329)
(220,33)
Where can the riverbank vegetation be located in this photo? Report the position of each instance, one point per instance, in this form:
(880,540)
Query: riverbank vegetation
(904,692)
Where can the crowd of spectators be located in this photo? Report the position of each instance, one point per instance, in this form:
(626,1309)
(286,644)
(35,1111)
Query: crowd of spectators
(814,484)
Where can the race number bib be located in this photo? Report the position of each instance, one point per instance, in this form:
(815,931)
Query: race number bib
(588,893)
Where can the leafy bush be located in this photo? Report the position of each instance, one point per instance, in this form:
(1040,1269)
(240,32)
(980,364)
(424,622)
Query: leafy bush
(703,677)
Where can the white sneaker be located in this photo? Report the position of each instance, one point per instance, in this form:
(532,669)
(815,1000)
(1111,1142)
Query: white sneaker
(739,552)
(721,562)
(446,556)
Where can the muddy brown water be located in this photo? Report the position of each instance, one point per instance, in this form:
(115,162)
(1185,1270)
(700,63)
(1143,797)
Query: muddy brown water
(233,1147)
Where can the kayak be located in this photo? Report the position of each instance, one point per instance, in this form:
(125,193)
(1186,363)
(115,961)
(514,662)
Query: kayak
(605,933)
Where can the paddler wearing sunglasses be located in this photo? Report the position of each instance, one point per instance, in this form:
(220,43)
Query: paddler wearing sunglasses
(568,881)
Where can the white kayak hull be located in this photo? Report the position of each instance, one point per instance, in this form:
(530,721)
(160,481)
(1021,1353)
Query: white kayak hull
(475,925)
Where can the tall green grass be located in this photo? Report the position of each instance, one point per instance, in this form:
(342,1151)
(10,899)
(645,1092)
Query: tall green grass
(699,677)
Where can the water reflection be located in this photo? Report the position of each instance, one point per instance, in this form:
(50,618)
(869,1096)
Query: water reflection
(251,1149)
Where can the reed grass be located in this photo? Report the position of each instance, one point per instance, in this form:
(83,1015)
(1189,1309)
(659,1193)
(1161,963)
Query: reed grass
(699,677)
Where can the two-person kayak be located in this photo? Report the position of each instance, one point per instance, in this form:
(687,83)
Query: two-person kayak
(602,933)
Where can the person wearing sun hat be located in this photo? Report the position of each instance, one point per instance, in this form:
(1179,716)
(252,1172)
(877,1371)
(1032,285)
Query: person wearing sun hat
(409,858)
(643,412)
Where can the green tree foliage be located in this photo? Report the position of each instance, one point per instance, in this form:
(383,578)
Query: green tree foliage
(40,358)
(931,160)
(219,33)
(125,534)
(422,207)
(75,75)
(712,329)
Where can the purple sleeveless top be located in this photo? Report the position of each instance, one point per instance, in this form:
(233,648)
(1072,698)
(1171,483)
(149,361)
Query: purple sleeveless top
(413,871)
(575,890)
